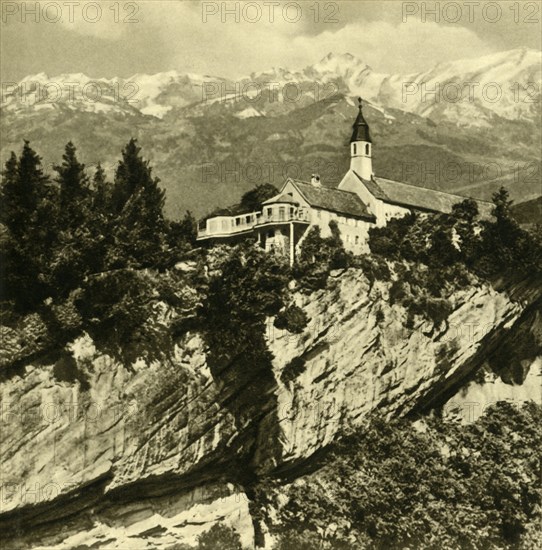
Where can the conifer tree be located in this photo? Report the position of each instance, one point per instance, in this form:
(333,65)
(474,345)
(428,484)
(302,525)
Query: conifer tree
(138,203)
(27,211)
(23,186)
(101,191)
(74,187)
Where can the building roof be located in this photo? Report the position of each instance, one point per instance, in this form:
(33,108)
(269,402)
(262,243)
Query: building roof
(360,127)
(334,200)
(282,198)
(423,198)
(372,187)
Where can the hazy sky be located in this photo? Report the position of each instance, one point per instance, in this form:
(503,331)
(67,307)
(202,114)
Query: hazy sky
(204,37)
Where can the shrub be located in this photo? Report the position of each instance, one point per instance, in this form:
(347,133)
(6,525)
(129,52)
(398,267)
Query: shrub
(389,485)
(219,537)
(292,318)
(318,256)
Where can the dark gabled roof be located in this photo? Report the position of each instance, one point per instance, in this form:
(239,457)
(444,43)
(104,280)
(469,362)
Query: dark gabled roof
(360,128)
(372,187)
(334,200)
(282,198)
(424,198)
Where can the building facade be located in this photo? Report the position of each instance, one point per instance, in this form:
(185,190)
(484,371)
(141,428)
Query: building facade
(362,200)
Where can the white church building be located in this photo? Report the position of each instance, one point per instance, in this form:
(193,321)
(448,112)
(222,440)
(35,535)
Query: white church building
(362,200)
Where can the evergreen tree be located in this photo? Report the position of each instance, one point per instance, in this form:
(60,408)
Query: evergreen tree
(101,191)
(502,240)
(74,187)
(138,202)
(27,211)
(183,232)
(23,187)
(466,214)
(252,200)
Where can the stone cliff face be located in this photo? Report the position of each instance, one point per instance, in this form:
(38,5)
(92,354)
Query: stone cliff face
(97,455)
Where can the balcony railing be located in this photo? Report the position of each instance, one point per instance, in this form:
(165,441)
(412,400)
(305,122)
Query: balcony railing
(299,215)
(230,225)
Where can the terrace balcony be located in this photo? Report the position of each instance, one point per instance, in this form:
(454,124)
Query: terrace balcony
(226,226)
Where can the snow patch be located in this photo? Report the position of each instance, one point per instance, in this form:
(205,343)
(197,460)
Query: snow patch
(249,112)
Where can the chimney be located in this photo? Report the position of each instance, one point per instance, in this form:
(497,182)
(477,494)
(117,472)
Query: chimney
(315,180)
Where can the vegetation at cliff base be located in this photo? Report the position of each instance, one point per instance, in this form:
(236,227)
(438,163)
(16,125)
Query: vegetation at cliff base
(399,484)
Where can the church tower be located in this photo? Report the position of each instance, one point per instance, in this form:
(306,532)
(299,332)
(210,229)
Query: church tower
(361,147)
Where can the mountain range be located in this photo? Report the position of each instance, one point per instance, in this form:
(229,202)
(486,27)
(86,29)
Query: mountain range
(466,127)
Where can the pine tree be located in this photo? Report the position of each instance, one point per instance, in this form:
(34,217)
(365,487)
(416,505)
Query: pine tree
(27,211)
(101,197)
(74,187)
(138,202)
(23,186)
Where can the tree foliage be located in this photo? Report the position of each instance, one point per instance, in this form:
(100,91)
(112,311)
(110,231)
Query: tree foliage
(390,485)
(487,247)
(318,256)
(77,240)
(219,537)
(246,286)
(252,200)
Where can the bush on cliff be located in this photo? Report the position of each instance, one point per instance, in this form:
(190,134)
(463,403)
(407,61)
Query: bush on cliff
(219,537)
(434,255)
(441,241)
(246,286)
(318,256)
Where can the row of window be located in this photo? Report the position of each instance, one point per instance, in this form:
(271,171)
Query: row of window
(281,211)
(341,219)
(367,148)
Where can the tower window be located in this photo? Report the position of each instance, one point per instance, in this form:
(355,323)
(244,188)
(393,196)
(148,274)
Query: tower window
(354,146)
(367,149)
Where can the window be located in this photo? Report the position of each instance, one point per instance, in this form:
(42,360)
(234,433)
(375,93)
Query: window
(237,221)
(268,212)
(367,149)
(354,148)
(282,213)
(248,219)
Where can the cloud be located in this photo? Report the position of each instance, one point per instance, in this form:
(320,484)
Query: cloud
(142,36)
(105,20)
(237,48)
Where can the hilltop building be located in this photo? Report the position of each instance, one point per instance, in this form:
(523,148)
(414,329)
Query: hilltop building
(362,200)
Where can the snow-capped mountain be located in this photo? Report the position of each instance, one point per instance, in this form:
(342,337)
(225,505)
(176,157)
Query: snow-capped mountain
(506,84)
(467,92)
(202,132)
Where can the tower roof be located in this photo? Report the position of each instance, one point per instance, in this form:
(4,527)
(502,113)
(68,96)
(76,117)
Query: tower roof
(361,128)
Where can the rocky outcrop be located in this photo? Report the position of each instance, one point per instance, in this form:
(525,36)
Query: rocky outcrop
(97,455)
